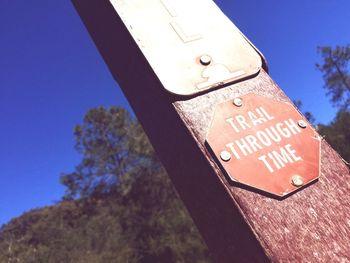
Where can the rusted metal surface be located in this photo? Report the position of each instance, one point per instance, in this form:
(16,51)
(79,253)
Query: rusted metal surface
(175,34)
(265,144)
(312,225)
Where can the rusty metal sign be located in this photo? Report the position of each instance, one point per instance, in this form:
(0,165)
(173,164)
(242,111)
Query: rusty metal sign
(265,144)
(190,45)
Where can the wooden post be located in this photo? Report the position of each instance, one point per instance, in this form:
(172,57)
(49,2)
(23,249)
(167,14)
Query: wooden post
(238,224)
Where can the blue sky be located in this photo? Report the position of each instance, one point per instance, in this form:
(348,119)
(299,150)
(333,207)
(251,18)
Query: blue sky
(51,74)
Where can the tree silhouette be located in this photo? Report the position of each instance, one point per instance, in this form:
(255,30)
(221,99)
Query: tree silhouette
(335,70)
(120,205)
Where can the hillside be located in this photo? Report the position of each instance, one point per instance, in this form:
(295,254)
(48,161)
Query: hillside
(105,229)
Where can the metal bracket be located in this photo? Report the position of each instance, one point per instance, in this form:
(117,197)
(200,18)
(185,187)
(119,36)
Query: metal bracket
(191,45)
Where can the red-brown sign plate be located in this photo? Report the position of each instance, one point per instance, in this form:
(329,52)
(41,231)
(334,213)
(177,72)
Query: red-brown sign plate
(265,144)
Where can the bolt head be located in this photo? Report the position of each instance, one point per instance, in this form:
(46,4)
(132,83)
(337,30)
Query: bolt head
(302,124)
(297,180)
(205,60)
(238,102)
(225,156)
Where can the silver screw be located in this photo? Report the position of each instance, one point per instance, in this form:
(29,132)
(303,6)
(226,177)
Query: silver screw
(238,102)
(302,124)
(205,60)
(297,180)
(225,156)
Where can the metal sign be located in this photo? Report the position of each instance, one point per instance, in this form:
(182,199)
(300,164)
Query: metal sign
(265,144)
(190,45)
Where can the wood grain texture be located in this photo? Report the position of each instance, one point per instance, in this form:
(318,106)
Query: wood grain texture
(313,225)
(238,225)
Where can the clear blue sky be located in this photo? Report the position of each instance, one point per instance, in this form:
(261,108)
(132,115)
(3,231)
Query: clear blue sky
(51,74)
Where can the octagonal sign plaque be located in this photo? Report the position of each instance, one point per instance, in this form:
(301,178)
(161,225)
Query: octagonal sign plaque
(265,144)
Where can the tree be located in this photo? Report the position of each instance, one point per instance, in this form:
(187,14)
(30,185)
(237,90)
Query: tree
(335,69)
(308,115)
(114,150)
(337,133)
(119,161)
(119,206)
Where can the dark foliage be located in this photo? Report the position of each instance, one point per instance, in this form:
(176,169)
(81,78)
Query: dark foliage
(119,205)
(308,115)
(335,70)
(337,133)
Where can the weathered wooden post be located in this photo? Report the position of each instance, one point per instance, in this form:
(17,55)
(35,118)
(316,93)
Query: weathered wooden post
(259,182)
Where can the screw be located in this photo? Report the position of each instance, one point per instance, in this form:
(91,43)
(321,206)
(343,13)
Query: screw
(205,60)
(238,102)
(302,124)
(297,180)
(225,156)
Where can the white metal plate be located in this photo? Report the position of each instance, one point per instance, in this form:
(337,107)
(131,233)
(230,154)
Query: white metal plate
(174,34)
